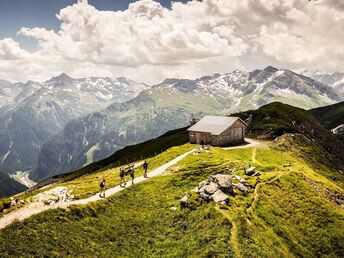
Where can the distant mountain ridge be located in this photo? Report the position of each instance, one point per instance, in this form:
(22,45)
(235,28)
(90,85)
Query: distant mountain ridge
(333,79)
(170,105)
(33,112)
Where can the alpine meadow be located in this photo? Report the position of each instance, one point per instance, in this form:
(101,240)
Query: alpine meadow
(159,128)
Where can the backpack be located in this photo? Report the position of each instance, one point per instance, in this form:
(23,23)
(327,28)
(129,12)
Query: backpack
(102,185)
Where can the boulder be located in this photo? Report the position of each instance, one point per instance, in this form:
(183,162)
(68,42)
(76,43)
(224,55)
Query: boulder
(223,181)
(219,196)
(184,201)
(203,194)
(55,195)
(241,187)
(241,180)
(250,171)
(210,188)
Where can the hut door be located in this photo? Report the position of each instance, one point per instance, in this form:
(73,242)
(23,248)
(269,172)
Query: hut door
(198,138)
(240,133)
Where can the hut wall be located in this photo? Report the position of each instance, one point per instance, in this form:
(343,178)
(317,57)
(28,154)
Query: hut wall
(197,137)
(233,135)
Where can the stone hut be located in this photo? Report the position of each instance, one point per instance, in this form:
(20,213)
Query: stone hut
(218,131)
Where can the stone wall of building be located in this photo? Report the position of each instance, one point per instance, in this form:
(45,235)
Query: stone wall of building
(233,135)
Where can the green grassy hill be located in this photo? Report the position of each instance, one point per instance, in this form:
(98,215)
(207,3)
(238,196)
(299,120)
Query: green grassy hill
(291,211)
(276,119)
(329,116)
(294,208)
(127,155)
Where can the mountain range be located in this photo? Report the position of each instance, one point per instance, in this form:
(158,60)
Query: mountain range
(64,124)
(334,79)
(32,113)
(171,105)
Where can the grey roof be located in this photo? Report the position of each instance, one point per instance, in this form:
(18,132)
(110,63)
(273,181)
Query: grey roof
(214,124)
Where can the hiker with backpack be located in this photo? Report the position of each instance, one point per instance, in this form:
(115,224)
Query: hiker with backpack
(145,168)
(132,175)
(102,189)
(122,175)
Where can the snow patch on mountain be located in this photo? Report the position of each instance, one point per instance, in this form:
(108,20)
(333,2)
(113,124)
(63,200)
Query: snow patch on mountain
(333,79)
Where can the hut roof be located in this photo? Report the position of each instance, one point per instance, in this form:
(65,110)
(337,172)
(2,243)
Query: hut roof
(214,124)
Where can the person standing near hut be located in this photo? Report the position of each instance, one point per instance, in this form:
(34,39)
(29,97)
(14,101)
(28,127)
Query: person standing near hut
(132,175)
(122,175)
(145,168)
(202,143)
(102,189)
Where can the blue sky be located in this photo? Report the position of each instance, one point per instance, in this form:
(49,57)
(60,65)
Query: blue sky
(15,14)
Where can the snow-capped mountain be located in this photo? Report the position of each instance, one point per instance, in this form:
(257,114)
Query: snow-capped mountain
(334,79)
(33,112)
(104,89)
(170,105)
(11,93)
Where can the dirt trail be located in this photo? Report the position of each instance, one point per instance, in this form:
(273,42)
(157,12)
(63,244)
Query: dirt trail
(254,160)
(249,143)
(234,233)
(256,194)
(38,207)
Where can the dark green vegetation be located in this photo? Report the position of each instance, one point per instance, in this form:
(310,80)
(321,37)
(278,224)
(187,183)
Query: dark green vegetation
(329,116)
(127,155)
(293,209)
(8,186)
(276,119)
(290,211)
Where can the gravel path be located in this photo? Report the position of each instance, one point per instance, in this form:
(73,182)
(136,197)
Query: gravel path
(38,207)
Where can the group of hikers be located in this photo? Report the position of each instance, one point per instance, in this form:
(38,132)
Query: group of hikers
(130,170)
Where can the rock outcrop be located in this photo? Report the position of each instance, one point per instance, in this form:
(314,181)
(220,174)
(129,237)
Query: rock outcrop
(217,188)
(55,195)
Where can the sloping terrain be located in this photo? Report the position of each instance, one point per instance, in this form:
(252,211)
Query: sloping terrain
(34,112)
(329,116)
(8,186)
(126,155)
(294,208)
(276,119)
(170,105)
(290,211)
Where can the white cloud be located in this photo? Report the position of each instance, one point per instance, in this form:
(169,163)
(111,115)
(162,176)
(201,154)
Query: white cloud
(148,42)
(10,50)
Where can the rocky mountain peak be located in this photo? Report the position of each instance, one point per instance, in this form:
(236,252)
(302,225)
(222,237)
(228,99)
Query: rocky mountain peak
(60,80)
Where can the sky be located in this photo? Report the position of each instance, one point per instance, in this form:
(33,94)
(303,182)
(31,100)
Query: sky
(149,40)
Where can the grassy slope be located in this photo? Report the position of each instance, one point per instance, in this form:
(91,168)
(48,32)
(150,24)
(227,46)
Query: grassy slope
(88,185)
(276,118)
(127,155)
(329,116)
(289,212)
